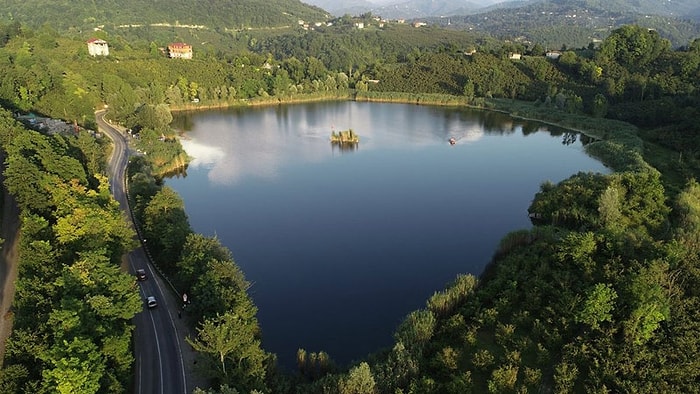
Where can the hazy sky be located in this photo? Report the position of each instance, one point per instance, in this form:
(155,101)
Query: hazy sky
(342,3)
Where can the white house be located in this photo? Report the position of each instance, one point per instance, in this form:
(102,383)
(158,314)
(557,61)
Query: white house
(97,47)
(180,50)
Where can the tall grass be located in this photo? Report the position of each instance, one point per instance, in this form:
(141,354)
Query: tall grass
(444,303)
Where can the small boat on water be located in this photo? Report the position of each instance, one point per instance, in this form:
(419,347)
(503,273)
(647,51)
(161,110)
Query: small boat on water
(452,140)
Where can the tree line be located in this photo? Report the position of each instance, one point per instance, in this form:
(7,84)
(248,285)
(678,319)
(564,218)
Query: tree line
(72,309)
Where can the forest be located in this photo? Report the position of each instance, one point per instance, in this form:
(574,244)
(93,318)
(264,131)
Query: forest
(79,15)
(600,295)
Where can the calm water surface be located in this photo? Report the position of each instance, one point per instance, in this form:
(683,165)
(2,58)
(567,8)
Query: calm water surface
(341,245)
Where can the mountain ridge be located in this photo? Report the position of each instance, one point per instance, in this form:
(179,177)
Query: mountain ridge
(413,9)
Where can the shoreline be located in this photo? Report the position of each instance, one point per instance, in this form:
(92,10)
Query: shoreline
(605,132)
(376,97)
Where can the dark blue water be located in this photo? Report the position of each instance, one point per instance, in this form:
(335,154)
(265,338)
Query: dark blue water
(342,244)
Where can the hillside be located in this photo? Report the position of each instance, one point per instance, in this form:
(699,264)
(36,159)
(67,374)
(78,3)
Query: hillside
(424,8)
(350,7)
(402,9)
(675,8)
(79,15)
(412,9)
(576,23)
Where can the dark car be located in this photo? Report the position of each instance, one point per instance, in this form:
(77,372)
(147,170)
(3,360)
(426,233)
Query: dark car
(141,274)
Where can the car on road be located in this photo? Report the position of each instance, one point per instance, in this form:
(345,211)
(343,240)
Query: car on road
(141,274)
(151,302)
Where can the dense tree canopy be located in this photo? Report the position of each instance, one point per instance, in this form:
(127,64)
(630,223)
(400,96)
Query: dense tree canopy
(73,305)
(600,295)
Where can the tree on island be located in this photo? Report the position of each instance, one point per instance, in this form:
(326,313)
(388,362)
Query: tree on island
(345,137)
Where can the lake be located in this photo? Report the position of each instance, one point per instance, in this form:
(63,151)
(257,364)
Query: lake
(342,243)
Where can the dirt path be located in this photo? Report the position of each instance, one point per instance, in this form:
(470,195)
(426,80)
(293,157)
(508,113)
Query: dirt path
(9,231)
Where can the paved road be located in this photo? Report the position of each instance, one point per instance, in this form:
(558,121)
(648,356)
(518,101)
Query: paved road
(159,365)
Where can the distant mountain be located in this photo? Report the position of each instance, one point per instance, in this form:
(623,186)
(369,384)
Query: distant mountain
(674,8)
(216,14)
(340,8)
(576,23)
(414,9)
(402,9)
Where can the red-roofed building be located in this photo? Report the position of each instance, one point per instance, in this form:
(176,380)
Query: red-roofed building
(180,50)
(97,47)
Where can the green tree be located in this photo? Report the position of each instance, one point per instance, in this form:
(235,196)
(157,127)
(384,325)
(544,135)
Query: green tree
(687,209)
(469,89)
(649,299)
(156,117)
(598,306)
(600,106)
(281,82)
(295,69)
(76,367)
(221,286)
(119,95)
(609,208)
(197,252)
(228,344)
(633,46)
(359,381)
(166,227)
(86,221)
(315,69)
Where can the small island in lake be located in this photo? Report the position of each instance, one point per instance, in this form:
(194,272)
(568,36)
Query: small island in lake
(345,137)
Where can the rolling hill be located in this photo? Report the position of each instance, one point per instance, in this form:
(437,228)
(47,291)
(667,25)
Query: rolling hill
(214,14)
(412,9)
(576,23)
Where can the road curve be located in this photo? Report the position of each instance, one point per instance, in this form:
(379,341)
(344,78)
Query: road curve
(159,366)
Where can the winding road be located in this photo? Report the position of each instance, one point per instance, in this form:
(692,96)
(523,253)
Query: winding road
(158,350)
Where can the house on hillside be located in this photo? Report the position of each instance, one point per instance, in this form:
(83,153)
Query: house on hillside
(97,47)
(179,50)
(554,55)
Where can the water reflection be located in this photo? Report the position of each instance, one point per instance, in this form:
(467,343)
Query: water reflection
(344,148)
(258,142)
(569,138)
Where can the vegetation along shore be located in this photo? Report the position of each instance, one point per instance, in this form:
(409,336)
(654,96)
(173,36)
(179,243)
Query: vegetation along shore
(600,295)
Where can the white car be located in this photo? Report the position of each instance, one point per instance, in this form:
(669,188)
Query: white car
(151,302)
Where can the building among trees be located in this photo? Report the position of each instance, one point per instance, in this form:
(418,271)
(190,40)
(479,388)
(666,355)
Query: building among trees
(98,47)
(180,50)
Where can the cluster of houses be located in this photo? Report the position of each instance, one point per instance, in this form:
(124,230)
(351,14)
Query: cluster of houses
(359,24)
(175,50)
(554,55)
